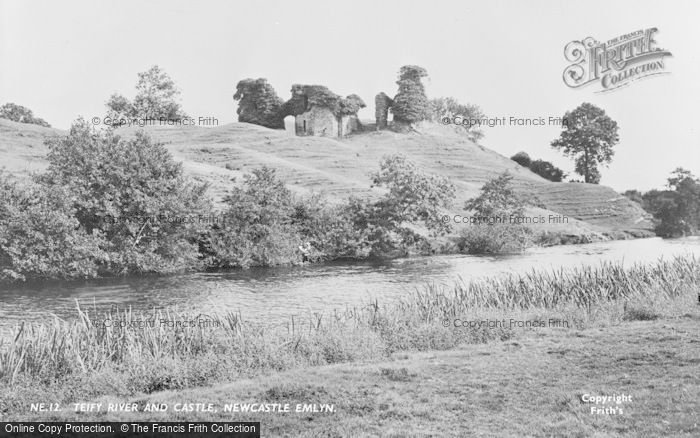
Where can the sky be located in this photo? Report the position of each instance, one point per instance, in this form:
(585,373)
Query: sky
(64,59)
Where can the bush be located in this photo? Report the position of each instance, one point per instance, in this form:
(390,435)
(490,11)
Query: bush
(497,199)
(450,107)
(39,237)
(522,158)
(257,229)
(677,210)
(21,114)
(495,239)
(414,198)
(133,193)
(496,203)
(547,170)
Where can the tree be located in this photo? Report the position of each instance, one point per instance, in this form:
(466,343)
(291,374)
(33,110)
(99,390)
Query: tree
(40,237)
(411,104)
(588,136)
(497,199)
(258,103)
(413,198)
(494,232)
(547,170)
(258,229)
(133,193)
(449,107)
(21,114)
(677,210)
(156,98)
(522,158)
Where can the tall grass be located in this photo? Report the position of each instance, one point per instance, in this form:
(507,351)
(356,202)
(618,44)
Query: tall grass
(150,358)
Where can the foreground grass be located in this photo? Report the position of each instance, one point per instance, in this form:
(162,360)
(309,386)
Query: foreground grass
(79,361)
(529,386)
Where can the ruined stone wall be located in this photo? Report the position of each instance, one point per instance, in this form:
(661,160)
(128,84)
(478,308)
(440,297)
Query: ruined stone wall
(349,124)
(317,121)
(382,103)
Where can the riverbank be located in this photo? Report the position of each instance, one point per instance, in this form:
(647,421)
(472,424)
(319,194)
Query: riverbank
(536,384)
(76,361)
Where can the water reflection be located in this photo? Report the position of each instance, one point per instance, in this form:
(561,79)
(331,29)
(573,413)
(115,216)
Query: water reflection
(272,295)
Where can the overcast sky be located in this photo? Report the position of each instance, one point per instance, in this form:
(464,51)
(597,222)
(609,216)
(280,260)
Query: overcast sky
(64,59)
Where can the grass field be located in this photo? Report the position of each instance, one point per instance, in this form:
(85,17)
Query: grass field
(339,168)
(529,386)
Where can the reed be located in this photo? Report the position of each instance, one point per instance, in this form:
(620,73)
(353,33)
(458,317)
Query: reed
(225,347)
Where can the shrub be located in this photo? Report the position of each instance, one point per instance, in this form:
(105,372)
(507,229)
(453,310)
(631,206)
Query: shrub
(495,239)
(413,198)
(21,114)
(450,107)
(133,193)
(522,158)
(39,237)
(497,199)
(258,228)
(677,210)
(547,170)
(327,230)
(496,204)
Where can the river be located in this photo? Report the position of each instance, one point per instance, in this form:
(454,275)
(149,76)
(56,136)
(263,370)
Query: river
(271,295)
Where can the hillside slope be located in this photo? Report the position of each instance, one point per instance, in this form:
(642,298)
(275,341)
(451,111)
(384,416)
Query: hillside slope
(339,168)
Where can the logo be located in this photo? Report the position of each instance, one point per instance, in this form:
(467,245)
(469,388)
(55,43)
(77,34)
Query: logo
(615,63)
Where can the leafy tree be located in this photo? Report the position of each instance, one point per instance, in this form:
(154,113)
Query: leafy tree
(450,107)
(414,195)
(306,96)
(156,98)
(495,205)
(351,104)
(522,158)
(676,210)
(497,199)
(259,103)
(410,103)
(413,199)
(21,114)
(588,136)
(547,170)
(258,229)
(133,193)
(39,237)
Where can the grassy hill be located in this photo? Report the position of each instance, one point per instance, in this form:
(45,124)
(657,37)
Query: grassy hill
(339,168)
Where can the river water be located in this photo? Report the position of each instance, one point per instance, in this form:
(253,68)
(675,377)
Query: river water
(271,295)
